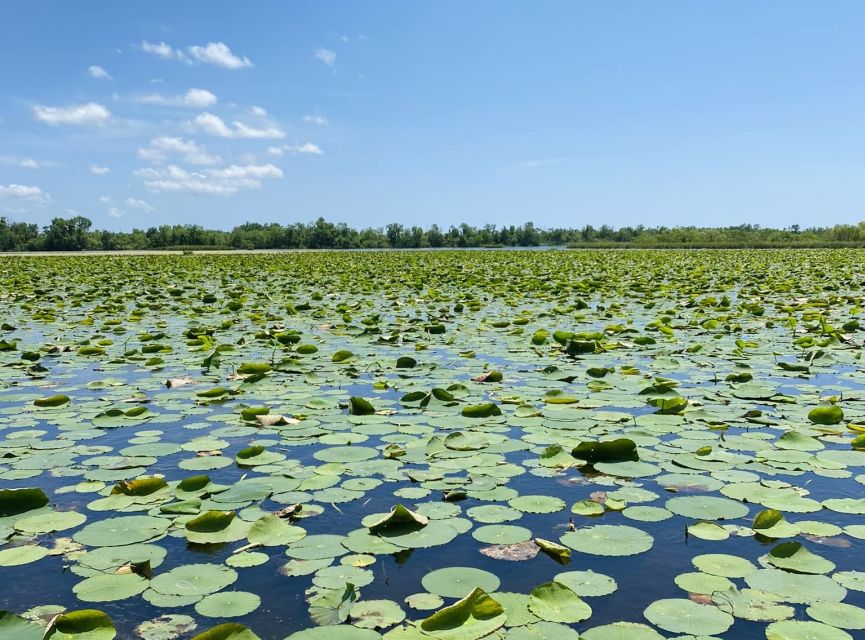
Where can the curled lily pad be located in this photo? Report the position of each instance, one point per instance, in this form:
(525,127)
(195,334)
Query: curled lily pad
(399,516)
(829,415)
(83,624)
(52,401)
(17,501)
(227,631)
(792,556)
(618,450)
(473,617)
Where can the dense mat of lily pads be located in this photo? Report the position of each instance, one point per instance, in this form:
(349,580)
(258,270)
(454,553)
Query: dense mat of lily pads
(433,445)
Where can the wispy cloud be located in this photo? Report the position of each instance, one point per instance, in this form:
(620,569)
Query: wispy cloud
(98,73)
(219,54)
(307,147)
(194,98)
(26,162)
(220,182)
(91,113)
(141,205)
(99,171)
(327,56)
(216,126)
(315,119)
(162,148)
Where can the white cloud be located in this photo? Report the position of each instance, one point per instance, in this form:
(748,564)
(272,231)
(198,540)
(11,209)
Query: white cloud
(327,56)
(242,130)
(306,147)
(258,111)
(91,113)
(215,126)
(218,54)
(134,203)
(194,98)
(114,212)
(96,170)
(98,72)
(315,119)
(221,182)
(159,150)
(159,49)
(242,172)
(24,192)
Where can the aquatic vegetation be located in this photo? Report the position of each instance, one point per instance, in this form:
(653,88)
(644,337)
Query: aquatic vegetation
(450,445)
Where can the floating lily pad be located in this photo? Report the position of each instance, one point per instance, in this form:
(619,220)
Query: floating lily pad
(555,602)
(684,616)
(229,604)
(609,540)
(456,582)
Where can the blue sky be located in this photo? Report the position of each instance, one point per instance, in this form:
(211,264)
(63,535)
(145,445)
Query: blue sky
(491,111)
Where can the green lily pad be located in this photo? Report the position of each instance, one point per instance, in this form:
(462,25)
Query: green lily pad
(456,582)
(228,604)
(555,602)
(804,630)
(608,540)
(684,616)
(83,624)
(473,617)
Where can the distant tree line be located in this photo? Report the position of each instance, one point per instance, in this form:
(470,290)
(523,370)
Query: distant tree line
(77,234)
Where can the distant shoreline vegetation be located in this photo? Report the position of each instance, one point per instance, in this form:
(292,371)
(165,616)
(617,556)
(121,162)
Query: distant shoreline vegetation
(77,234)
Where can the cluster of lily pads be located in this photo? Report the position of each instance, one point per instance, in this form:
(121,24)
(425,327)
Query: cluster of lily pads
(259,446)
